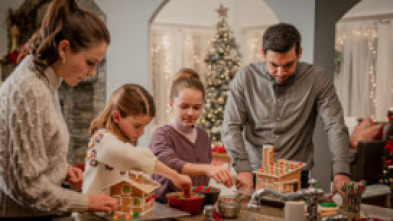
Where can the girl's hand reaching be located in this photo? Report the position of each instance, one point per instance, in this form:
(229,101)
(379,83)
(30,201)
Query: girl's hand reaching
(220,175)
(182,182)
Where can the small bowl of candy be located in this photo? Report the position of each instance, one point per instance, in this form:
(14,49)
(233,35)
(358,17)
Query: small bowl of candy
(211,193)
(190,205)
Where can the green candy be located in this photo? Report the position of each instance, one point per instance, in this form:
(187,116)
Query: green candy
(328,204)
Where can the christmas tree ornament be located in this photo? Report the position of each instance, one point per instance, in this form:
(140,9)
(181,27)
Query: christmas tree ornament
(220,100)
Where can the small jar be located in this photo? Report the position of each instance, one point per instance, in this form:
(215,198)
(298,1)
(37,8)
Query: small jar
(208,211)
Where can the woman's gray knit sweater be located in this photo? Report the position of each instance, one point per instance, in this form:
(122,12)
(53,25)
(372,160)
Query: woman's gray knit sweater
(33,146)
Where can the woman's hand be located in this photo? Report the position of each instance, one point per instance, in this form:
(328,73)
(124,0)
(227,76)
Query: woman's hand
(102,203)
(74,177)
(220,175)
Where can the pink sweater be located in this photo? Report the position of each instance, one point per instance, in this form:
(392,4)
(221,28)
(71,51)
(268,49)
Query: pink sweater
(174,149)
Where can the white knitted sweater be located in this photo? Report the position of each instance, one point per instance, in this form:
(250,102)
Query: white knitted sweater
(109,159)
(33,146)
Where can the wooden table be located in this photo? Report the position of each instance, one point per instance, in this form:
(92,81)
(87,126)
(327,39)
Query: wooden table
(264,214)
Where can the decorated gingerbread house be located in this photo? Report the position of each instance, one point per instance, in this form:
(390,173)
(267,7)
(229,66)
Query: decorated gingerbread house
(282,176)
(135,194)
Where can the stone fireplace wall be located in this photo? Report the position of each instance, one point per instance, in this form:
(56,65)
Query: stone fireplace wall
(79,104)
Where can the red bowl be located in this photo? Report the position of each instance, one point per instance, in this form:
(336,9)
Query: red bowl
(190,205)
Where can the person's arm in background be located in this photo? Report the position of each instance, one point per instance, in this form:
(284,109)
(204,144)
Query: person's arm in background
(113,152)
(366,130)
(330,110)
(219,174)
(182,182)
(163,148)
(234,120)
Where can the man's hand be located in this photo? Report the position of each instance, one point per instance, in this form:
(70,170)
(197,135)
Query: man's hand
(338,182)
(244,181)
(74,177)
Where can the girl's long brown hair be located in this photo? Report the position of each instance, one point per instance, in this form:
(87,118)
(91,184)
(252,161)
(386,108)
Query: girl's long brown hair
(130,100)
(64,20)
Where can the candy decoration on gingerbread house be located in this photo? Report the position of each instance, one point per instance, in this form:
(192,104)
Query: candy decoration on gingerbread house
(282,176)
(135,195)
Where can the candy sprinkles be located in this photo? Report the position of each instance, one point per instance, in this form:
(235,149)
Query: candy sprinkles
(205,189)
(182,195)
(116,215)
(352,195)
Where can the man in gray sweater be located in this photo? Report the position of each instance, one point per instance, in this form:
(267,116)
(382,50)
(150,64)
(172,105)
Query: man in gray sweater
(276,102)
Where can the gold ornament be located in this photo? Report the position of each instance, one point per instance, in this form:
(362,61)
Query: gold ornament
(220,100)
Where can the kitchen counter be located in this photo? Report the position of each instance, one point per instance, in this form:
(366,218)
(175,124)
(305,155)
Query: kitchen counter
(265,214)
(371,208)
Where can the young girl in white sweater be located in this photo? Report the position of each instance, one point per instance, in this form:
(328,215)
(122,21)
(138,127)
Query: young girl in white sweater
(112,150)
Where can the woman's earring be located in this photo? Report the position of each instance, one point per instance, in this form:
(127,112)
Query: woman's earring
(63,60)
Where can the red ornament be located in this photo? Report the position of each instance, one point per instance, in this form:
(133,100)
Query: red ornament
(218,148)
(221,149)
(215,148)
(80,166)
(13,56)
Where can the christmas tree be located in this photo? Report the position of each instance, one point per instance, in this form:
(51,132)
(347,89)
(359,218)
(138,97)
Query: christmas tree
(388,151)
(223,60)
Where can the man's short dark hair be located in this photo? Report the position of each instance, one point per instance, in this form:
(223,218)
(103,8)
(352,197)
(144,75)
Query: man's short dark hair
(281,38)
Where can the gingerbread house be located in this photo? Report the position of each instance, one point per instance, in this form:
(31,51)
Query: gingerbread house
(135,194)
(282,176)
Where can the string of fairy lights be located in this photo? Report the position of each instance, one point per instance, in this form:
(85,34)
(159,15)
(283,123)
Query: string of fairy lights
(174,47)
(371,33)
(168,64)
(162,63)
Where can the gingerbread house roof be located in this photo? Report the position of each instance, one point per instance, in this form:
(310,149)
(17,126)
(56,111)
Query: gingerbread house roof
(148,185)
(280,168)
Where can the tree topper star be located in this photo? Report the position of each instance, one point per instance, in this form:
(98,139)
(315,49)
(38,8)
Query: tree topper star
(222,11)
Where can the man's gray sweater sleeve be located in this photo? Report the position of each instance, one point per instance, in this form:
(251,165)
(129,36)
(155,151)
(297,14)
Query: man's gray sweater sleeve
(235,117)
(329,108)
